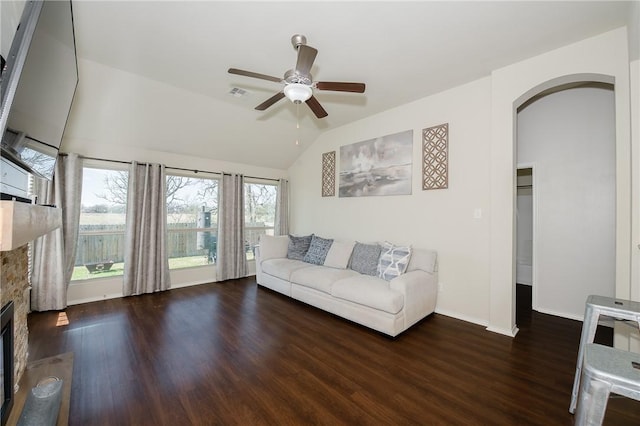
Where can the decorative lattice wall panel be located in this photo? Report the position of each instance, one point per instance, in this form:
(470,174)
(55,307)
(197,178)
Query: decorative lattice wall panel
(435,157)
(329,174)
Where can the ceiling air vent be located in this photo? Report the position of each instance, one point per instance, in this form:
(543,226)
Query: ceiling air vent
(237,92)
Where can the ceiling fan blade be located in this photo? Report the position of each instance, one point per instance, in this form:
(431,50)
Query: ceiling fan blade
(272,100)
(306,56)
(254,75)
(316,107)
(340,86)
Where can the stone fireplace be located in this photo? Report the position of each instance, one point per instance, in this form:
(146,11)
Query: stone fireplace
(14,284)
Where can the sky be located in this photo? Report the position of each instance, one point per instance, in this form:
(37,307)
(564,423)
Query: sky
(93,184)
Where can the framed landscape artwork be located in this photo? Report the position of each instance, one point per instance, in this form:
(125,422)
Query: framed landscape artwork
(380,166)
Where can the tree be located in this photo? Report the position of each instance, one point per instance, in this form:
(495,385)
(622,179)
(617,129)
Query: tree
(97,208)
(209,191)
(117,183)
(42,163)
(260,202)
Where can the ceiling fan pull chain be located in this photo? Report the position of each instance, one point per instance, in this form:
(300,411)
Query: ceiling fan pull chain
(298,124)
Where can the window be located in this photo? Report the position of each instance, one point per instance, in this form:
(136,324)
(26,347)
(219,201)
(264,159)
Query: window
(259,213)
(192,221)
(100,251)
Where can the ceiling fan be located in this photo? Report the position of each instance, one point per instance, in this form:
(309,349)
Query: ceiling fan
(298,82)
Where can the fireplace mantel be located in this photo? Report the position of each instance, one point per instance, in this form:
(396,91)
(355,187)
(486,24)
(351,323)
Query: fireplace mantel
(23,222)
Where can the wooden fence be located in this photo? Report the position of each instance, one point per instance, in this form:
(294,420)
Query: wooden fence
(102,243)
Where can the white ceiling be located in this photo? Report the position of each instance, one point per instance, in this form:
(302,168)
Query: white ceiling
(403,51)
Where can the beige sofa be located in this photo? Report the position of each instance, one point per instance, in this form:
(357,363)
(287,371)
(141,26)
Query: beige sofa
(386,306)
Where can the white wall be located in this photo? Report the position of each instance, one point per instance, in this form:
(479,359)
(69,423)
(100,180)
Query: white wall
(111,104)
(633,339)
(625,337)
(602,58)
(635,149)
(476,256)
(10,13)
(570,137)
(634,78)
(107,106)
(438,219)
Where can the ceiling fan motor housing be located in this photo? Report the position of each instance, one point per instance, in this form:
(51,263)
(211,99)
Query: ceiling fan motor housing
(292,76)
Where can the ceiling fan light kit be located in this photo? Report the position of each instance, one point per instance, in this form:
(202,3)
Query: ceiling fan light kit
(298,82)
(297,92)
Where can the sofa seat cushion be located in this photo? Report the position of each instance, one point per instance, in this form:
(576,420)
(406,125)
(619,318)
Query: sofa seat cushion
(282,267)
(320,277)
(369,291)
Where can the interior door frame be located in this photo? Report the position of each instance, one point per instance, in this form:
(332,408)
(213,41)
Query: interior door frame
(534,232)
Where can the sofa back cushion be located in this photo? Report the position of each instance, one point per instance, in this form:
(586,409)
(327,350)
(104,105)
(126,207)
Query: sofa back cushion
(425,260)
(273,247)
(298,246)
(339,254)
(364,258)
(318,250)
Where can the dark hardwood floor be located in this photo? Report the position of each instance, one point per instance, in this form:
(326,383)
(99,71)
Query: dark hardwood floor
(230,353)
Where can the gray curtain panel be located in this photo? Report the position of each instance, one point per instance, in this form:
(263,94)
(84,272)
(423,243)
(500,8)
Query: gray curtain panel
(232,259)
(146,263)
(54,253)
(282,208)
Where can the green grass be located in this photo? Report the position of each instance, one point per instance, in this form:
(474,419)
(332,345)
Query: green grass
(187,262)
(82,273)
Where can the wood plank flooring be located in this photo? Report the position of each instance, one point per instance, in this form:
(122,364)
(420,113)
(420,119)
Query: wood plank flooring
(231,353)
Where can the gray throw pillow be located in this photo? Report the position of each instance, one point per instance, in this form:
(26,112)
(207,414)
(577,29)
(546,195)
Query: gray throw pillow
(364,258)
(298,246)
(318,250)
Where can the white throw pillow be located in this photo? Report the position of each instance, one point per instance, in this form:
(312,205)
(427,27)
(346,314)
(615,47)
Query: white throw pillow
(339,254)
(393,261)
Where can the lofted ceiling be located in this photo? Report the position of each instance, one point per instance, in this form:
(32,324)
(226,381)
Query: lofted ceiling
(403,51)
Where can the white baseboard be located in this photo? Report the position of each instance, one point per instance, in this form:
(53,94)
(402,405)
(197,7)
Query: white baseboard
(119,295)
(95,288)
(505,331)
(94,299)
(561,314)
(462,317)
(189,284)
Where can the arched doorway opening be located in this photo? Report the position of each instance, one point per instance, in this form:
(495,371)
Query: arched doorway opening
(565,200)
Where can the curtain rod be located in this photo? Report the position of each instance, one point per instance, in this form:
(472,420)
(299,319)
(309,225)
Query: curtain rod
(173,168)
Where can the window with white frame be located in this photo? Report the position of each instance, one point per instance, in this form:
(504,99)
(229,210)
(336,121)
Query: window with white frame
(100,249)
(259,213)
(192,221)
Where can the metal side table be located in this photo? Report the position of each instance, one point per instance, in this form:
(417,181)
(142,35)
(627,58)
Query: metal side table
(605,371)
(594,307)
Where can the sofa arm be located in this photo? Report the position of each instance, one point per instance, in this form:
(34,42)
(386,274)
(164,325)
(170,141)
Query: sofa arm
(420,290)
